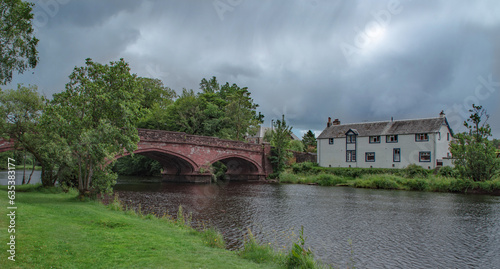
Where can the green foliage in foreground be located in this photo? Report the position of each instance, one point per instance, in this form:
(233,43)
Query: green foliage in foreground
(298,257)
(54,230)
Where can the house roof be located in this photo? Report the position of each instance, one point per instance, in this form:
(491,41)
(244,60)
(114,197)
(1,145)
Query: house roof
(397,127)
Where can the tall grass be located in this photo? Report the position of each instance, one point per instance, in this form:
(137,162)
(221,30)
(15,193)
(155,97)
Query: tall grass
(413,178)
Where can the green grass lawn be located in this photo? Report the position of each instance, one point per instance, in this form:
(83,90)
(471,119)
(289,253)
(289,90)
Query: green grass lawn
(57,231)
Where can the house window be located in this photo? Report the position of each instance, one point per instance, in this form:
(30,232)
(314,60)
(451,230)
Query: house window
(396,157)
(374,139)
(447,136)
(370,156)
(330,141)
(424,156)
(351,139)
(421,137)
(391,139)
(350,156)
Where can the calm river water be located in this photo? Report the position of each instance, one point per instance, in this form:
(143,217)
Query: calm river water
(388,229)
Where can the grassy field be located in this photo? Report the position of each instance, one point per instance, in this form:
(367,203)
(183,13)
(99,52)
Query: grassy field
(54,230)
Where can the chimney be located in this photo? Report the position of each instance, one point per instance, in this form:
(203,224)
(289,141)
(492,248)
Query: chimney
(336,122)
(442,115)
(329,123)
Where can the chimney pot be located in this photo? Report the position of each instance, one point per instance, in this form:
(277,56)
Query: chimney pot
(329,123)
(336,122)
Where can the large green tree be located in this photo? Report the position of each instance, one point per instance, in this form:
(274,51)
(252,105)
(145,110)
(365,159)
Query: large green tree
(96,116)
(474,154)
(17,40)
(225,111)
(21,113)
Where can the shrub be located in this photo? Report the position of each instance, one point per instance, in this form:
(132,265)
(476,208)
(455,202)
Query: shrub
(447,171)
(305,167)
(413,170)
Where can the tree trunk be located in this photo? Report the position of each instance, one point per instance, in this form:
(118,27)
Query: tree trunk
(32,171)
(24,168)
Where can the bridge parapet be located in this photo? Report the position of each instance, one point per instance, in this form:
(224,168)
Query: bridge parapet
(6,145)
(156,136)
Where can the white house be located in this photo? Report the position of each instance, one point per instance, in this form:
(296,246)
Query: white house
(387,144)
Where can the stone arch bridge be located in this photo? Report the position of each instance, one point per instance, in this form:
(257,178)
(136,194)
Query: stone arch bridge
(188,158)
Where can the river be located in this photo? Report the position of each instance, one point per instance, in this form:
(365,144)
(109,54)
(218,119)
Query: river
(373,228)
(370,228)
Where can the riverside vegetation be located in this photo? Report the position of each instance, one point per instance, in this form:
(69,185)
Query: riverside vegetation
(57,230)
(413,177)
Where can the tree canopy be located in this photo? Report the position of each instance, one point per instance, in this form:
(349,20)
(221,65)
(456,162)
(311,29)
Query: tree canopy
(474,154)
(96,116)
(18,42)
(309,141)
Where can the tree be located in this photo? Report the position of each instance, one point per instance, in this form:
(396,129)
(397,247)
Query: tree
(496,143)
(280,143)
(156,99)
(18,43)
(309,140)
(96,116)
(296,145)
(225,111)
(20,119)
(474,154)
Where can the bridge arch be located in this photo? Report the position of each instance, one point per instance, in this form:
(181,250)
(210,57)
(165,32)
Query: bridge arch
(240,167)
(173,163)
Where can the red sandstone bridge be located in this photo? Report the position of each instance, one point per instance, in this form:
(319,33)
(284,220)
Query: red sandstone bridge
(188,157)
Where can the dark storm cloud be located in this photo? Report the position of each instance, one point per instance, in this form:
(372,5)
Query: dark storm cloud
(307,59)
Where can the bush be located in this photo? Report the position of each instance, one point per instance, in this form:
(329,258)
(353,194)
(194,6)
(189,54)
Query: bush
(413,170)
(305,167)
(447,171)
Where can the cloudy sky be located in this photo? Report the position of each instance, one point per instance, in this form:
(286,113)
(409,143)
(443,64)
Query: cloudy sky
(308,59)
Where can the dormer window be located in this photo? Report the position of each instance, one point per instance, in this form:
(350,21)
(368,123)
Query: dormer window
(351,136)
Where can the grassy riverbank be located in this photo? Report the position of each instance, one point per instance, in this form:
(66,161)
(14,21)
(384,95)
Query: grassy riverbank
(54,230)
(412,178)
